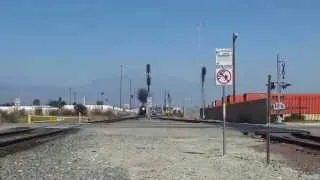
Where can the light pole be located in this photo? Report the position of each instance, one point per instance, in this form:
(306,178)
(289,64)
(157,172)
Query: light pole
(234,38)
(75,97)
(70,96)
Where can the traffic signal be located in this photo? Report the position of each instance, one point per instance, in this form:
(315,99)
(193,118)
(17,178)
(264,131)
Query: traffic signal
(286,85)
(272,85)
(148,80)
(203,73)
(148,68)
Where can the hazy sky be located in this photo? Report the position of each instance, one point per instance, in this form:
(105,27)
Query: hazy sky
(68,42)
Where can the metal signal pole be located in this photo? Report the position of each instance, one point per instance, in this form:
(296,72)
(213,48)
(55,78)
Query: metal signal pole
(224,114)
(268,118)
(203,74)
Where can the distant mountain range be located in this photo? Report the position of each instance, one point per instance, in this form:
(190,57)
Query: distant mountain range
(182,91)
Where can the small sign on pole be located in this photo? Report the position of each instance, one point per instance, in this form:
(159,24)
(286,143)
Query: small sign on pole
(223,57)
(224,77)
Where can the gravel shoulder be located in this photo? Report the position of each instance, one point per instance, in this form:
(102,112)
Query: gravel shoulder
(147,150)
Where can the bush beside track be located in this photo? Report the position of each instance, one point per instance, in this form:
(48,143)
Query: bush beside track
(20,116)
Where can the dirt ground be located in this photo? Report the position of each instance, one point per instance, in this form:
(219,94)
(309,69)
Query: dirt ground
(297,157)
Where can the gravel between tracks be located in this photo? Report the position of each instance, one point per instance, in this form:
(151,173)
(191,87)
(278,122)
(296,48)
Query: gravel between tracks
(116,151)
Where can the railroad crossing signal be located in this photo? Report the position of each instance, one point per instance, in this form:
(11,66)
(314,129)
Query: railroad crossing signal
(272,85)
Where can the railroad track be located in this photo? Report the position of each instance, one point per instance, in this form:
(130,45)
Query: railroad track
(17,139)
(118,119)
(277,134)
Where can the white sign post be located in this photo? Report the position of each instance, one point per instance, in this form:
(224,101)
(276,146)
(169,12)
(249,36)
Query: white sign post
(224,77)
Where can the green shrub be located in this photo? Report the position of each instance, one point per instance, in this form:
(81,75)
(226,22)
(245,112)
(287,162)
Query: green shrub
(53,112)
(13,117)
(80,108)
(98,112)
(67,112)
(295,117)
(38,112)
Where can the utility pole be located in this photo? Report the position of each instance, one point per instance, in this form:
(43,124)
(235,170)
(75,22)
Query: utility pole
(121,69)
(165,101)
(234,38)
(75,97)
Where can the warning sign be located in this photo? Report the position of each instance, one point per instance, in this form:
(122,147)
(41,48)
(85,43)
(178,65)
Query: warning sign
(224,76)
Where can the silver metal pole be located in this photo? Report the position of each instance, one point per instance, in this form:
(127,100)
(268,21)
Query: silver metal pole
(224,119)
(268,119)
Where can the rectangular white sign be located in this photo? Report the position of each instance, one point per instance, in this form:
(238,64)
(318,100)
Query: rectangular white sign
(223,57)
(224,76)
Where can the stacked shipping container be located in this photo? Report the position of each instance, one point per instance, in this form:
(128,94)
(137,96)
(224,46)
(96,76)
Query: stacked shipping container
(306,104)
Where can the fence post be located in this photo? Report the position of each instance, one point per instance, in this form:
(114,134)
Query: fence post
(79,117)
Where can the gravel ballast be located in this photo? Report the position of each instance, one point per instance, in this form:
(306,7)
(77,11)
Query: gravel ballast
(141,149)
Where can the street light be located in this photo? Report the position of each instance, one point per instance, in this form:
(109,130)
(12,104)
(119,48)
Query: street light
(234,38)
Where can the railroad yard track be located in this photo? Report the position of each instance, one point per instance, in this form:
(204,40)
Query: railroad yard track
(20,138)
(277,134)
(16,139)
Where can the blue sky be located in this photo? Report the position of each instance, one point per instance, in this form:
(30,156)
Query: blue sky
(72,42)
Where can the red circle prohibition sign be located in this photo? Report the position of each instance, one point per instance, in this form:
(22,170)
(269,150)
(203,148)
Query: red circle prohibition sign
(224,76)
